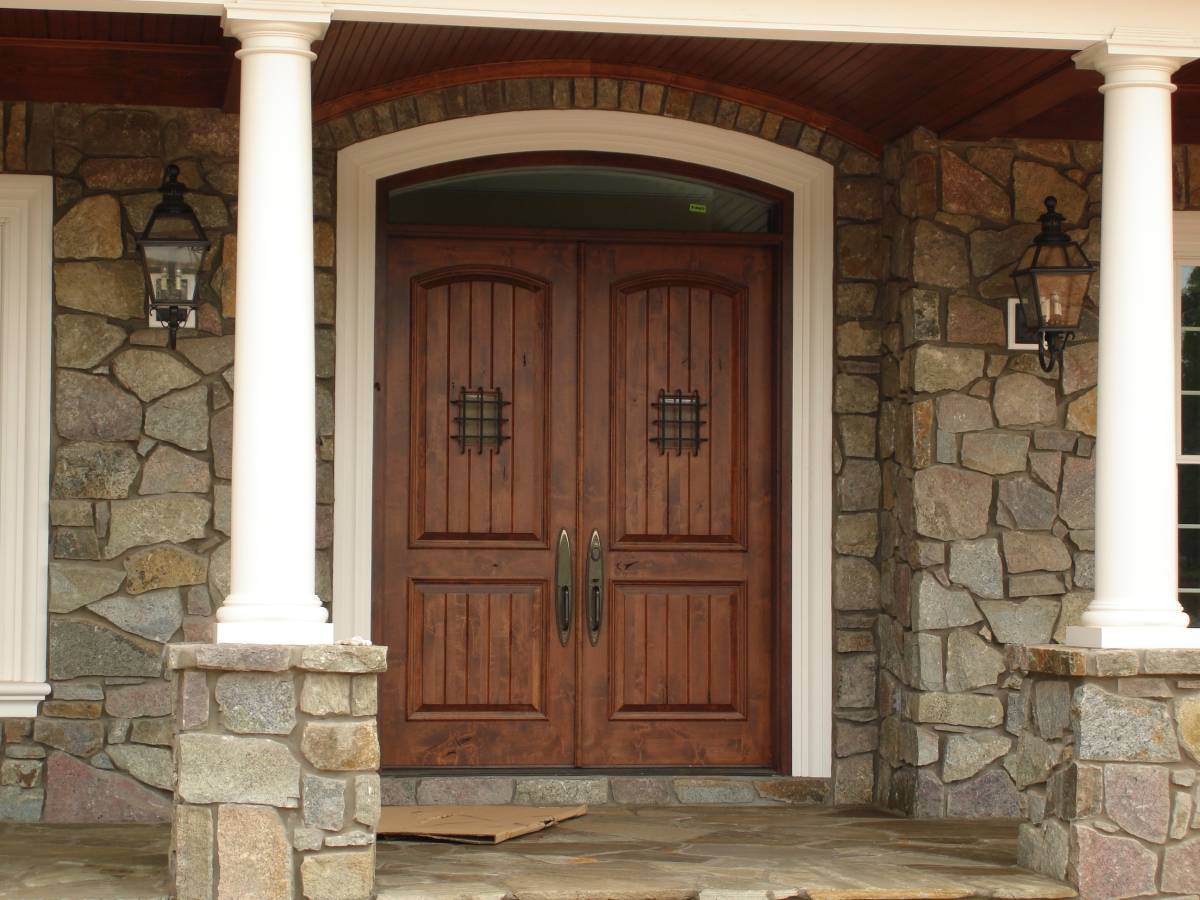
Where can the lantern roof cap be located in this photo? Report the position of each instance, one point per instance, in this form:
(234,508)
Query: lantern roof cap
(1052,225)
(173,206)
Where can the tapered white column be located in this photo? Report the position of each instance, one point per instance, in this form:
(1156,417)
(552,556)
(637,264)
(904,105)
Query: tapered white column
(1137,557)
(272,599)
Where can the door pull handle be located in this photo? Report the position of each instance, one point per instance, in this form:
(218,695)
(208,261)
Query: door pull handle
(564,584)
(595,577)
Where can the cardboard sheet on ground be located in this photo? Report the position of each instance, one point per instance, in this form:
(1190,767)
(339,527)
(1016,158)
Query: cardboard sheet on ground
(471,824)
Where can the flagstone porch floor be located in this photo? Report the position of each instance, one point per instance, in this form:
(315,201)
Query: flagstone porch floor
(661,853)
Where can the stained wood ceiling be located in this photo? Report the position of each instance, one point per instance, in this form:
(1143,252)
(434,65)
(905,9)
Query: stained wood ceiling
(875,91)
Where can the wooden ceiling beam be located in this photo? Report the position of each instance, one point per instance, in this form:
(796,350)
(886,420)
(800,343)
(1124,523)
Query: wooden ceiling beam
(1007,115)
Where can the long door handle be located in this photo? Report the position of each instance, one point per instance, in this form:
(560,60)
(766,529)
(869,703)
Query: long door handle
(595,579)
(564,587)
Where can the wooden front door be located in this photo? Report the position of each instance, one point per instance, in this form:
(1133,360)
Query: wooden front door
(521,387)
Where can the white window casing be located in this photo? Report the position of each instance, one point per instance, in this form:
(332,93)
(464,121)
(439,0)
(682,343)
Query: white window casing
(1187,253)
(26,227)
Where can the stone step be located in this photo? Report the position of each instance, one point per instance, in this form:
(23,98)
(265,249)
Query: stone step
(604,790)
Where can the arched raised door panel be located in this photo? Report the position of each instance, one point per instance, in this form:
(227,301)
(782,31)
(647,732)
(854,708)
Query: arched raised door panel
(684,335)
(479,329)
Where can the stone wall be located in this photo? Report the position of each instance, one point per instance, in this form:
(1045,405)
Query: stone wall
(1110,752)
(988,463)
(140,508)
(141,484)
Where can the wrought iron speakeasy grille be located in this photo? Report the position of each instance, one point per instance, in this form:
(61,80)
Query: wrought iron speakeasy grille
(678,424)
(480,419)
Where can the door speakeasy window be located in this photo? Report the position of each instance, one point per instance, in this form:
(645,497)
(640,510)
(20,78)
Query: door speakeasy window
(1189,438)
(480,419)
(678,422)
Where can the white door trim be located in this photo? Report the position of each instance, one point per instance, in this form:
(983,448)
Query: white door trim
(809,180)
(26,227)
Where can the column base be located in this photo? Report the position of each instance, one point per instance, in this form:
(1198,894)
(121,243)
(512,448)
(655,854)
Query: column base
(277,791)
(1109,803)
(1131,637)
(274,632)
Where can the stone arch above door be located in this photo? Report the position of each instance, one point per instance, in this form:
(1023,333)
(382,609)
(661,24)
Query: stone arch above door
(362,161)
(787,125)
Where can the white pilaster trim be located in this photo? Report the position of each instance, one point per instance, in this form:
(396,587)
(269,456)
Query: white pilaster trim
(26,229)
(810,181)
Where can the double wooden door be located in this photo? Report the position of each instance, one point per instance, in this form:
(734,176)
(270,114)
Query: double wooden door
(575,503)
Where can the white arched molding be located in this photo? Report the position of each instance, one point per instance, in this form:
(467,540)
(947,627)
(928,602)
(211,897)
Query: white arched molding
(26,226)
(810,182)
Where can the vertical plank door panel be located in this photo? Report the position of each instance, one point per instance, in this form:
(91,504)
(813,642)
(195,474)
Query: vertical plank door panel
(466,526)
(672,681)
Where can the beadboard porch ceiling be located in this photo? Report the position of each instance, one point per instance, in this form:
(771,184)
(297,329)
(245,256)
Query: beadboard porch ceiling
(870,93)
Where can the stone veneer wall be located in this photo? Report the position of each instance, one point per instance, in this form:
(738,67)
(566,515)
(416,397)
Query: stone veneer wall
(142,443)
(141,484)
(858,276)
(140,508)
(988,465)
(1119,733)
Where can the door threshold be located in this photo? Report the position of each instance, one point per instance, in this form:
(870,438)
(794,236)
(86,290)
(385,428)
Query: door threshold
(643,786)
(569,771)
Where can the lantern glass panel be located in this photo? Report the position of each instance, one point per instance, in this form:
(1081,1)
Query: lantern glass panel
(172,270)
(1027,294)
(1061,297)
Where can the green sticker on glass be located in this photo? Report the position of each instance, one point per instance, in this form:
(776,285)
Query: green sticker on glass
(698,207)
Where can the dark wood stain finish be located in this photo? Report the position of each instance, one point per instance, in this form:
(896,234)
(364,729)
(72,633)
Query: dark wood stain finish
(866,93)
(581,332)
(682,673)
(463,539)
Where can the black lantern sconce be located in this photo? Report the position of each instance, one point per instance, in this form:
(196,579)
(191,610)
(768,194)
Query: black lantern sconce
(1052,281)
(172,248)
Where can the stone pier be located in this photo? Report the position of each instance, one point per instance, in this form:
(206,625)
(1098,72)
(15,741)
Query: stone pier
(1119,733)
(277,751)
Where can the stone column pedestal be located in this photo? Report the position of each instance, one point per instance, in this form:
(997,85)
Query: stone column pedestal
(277,757)
(1119,732)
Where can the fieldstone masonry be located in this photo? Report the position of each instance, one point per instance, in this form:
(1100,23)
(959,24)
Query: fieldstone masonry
(140,495)
(963,495)
(1107,762)
(277,753)
(987,466)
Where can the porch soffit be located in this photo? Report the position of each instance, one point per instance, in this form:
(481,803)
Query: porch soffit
(867,93)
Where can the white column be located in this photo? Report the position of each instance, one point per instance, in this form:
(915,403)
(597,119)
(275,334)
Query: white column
(1136,600)
(272,599)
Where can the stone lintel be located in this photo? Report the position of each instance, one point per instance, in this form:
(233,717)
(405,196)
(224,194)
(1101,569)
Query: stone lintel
(277,657)
(1058,659)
